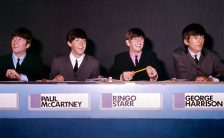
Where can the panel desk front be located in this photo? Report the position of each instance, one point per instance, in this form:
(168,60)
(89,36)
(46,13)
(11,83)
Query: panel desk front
(162,100)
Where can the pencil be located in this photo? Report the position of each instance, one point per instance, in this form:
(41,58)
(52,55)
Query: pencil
(140,70)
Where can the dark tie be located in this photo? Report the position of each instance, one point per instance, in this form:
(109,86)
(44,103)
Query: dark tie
(196,59)
(136,60)
(76,65)
(18,65)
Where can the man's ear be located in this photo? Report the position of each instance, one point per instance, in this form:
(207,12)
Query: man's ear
(28,45)
(128,43)
(186,42)
(69,44)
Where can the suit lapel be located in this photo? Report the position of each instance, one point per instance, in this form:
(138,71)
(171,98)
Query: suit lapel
(190,59)
(25,61)
(130,60)
(83,64)
(202,58)
(10,62)
(196,66)
(69,63)
(143,59)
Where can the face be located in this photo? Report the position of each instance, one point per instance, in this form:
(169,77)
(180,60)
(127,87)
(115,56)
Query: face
(135,44)
(195,43)
(19,45)
(78,46)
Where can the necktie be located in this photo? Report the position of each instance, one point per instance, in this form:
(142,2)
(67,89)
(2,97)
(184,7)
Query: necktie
(18,65)
(76,65)
(196,59)
(136,60)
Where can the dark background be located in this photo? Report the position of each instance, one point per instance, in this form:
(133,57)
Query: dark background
(106,23)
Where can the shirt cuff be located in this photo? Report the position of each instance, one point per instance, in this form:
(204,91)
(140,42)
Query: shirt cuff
(214,79)
(23,77)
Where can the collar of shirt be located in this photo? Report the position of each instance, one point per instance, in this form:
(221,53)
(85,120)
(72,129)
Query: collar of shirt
(192,54)
(132,55)
(73,59)
(14,59)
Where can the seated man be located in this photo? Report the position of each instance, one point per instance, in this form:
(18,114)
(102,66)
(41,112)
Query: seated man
(76,66)
(21,65)
(194,62)
(135,59)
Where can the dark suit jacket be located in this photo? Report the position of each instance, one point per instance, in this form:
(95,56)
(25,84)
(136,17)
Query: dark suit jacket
(123,62)
(210,64)
(88,69)
(32,67)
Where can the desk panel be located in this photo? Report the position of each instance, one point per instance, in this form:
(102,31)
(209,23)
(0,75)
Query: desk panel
(95,90)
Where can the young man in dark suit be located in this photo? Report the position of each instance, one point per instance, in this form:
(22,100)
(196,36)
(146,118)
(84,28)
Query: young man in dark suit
(76,66)
(135,59)
(194,62)
(21,65)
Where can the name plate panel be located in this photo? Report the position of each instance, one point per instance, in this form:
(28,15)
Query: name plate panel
(71,101)
(9,101)
(198,101)
(131,101)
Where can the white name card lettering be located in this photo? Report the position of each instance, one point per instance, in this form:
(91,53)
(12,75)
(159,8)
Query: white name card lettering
(198,101)
(64,101)
(132,101)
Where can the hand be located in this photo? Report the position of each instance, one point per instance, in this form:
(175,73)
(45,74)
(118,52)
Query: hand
(152,73)
(203,79)
(127,75)
(12,74)
(59,78)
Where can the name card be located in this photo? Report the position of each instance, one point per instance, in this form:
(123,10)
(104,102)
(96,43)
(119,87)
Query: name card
(131,101)
(74,101)
(198,101)
(9,101)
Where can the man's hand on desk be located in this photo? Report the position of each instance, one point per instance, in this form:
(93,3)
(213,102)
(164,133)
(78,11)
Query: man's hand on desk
(59,78)
(127,75)
(12,74)
(204,78)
